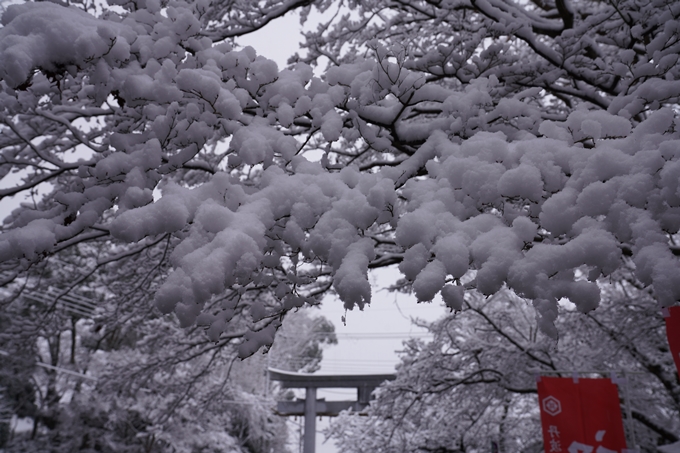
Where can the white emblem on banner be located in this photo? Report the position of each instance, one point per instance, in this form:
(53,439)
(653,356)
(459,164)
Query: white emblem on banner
(551,405)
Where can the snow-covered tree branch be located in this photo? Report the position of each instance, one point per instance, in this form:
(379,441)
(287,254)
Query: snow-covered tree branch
(480,145)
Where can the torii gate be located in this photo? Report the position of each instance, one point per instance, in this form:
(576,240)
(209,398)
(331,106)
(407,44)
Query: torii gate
(310,407)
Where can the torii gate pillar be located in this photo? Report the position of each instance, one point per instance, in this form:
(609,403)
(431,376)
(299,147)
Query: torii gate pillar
(311,407)
(309,445)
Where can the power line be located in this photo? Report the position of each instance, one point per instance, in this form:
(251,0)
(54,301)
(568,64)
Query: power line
(364,335)
(57,369)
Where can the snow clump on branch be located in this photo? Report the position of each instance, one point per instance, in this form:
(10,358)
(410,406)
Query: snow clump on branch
(477,194)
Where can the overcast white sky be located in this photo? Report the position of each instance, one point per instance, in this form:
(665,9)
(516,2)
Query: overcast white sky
(369,341)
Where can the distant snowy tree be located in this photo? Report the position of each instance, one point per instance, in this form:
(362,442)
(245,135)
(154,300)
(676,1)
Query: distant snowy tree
(300,342)
(478,144)
(147,384)
(474,385)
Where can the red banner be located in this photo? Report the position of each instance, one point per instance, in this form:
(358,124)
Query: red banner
(580,416)
(673,333)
